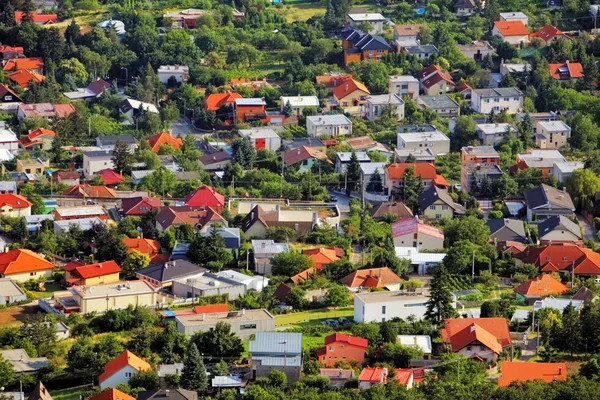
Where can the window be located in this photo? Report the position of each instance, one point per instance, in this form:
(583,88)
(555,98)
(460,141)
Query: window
(468,348)
(404,87)
(438,216)
(189,295)
(516,99)
(444,208)
(127,374)
(382,319)
(443,110)
(248,326)
(482,348)
(506,99)
(486,100)
(432,207)
(496,100)
(383,309)
(7,98)
(32,273)
(331,348)
(370,52)
(304,162)
(412,305)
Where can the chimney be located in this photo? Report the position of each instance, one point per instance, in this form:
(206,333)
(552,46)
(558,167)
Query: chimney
(564,189)
(559,371)
(243,311)
(100,265)
(470,148)
(347,87)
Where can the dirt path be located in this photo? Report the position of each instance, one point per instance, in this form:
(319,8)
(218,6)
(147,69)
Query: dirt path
(16,315)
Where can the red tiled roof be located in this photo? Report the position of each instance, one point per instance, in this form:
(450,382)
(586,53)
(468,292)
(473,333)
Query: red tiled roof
(111,394)
(145,246)
(71,265)
(35,137)
(460,332)
(11,49)
(302,153)
(67,174)
(372,277)
(164,138)
(511,28)
(351,340)
(572,70)
(215,100)
(195,216)
(548,33)
(405,226)
(542,286)
(435,78)
(562,257)
(373,375)
(99,269)
(14,201)
(64,110)
(428,71)
(322,256)
(332,81)
(529,371)
(22,260)
(110,177)
(138,205)
(24,77)
(425,170)
(304,275)
(211,308)
(121,361)
(23,63)
(37,18)
(408,29)
(81,190)
(404,375)
(205,196)
(347,87)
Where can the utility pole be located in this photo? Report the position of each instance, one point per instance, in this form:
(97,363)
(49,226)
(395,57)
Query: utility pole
(281,180)
(473,267)
(362,191)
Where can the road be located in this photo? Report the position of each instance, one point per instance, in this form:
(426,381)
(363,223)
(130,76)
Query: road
(343,202)
(182,126)
(589,232)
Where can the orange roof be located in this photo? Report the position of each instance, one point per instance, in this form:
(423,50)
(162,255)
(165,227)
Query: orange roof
(22,260)
(529,371)
(562,257)
(120,362)
(542,286)
(98,269)
(81,190)
(322,256)
(214,101)
(403,376)
(548,33)
(23,63)
(304,275)
(35,17)
(373,375)
(63,110)
(511,28)
(492,332)
(14,201)
(211,308)
(408,29)
(146,246)
(164,138)
(351,340)
(372,277)
(332,81)
(111,394)
(347,87)
(426,171)
(568,70)
(302,153)
(24,77)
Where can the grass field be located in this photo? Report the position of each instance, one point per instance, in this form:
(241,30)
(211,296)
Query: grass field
(51,287)
(312,317)
(303,11)
(70,394)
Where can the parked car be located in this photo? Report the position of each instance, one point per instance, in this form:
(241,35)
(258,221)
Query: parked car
(333,199)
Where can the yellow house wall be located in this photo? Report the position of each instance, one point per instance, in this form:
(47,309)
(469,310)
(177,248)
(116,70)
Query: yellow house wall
(429,213)
(102,279)
(25,276)
(115,302)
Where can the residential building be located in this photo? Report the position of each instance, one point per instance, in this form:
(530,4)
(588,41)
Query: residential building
(436,203)
(420,261)
(305,157)
(481,339)
(8,187)
(549,34)
(215,161)
(421,51)
(404,85)
(568,71)
(109,142)
(477,50)
(341,347)
(256,223)
(358,46)
(562,258)
(512,68)
(184,18)
(115,296)
(256,282)
(263,251)
(138,206)
(365,143)
(563,170)
(406,35)
(121,368)
(378,376)
(444,106)
(507,230)
(474,177)
(34,222)
(464,8)
(9,100)
(68,178)
(541,159)
(91,92)
(509,100)
(35,166)
(93,274)
(421,155)
(545,201)
(411,232)
(323,256)
(231,236)
(515,16)
(85,224)
(111,394)
(109,177)
(552,134)
(298,103)
(8,52)
(8,138)
(94,161)
(251,109)
(77,212)
(36,18)
(422,342)
(337,376)
(586,295)
(280,351)
(342,160)
(181,73)
(25,78)
(369,169)
(331,81)
(131,109)
(513,32)
(150,247)
(226,382)
(31,64)
(350,96)
(244,323)
(11,292)
(205,196)
(262,138)
(44,110)
(394,176)
(493,134)
(38,139)
(436,141)
(375,105)
(515,371)
(540,287)
(214,101)
(14,205)
(376,20)
(559,229)
(200,218)
(22,363)
(89,191)
(396,208)
(558,304)
(205,284)
(384,306)
(328,125)
(435,81)
(164,274)
(372,278)
(164,139)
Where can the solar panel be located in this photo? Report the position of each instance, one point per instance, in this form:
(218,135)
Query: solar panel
(232,314)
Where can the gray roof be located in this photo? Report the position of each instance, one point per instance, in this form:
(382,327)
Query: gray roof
(568,167)
(8,186)
(170,369)
(559,222)
(544,194)
(444,101)
(280,361)
(425,48)
(559,304)
(112,140)
(226,381)
(291,144)
(33,219)
(8,287)
(498,92)
(170,394)
(384,99)
(481,170)
(231,236)
(276,343)
(99,153)
(539,158)
(268,247)
(255,101)
(214,158)
(345,156)
(505,229)
(84,224)
(432,194)
(171,270)
(369,168)
(21,361)
(323,120)
(417,128)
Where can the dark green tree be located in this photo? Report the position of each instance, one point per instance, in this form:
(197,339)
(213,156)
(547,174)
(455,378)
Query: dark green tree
(219,342)
(440,305)
(375,183)
(122,157)
(243,152)
(193,375)
(353,172)
(412,189)
(287,109)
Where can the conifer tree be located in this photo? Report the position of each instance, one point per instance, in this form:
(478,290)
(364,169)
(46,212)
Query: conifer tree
(440,304)
(353,172)
(193,375)
(375,183)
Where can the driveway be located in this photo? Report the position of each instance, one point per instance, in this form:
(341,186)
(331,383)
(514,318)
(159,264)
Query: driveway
(182,126)
(589,232)
(343,202)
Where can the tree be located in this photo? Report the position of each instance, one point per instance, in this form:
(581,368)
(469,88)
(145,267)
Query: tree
(193,375)
(375,183)
(568,336)
(219,342)
(220,369)
(440,303)
(582,185)
(289,263)
(469,228)
(388,258)
(506,51)
(243,152)
(296,299)
(122,157)
(337,296)
(353,172)
(7,373)
(277,379)
(412,189)
(32,194)
(287,109)
(144,379)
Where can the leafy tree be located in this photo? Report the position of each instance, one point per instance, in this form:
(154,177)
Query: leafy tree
(122,157)
(412,189)
(277,379)
(568,335)
(371,332)
(375,183)
(193,375)
(506,51)
(337,296)
(296,298)
(388,258)
(287,109)
(7,373)
(219,342)
(469,228)
(582,185)
(144,379)
(220,369)
(440,303)
(32,194)
(280,233)
(289,263)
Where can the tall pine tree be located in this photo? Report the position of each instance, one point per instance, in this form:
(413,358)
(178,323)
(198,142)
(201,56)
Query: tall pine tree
(122,158)
(353,172)
(193,375)
(440,304)
(375,183)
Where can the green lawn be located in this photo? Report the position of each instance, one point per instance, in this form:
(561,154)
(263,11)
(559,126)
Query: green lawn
(51,287)
(70,394)
(312,317)
(303,11)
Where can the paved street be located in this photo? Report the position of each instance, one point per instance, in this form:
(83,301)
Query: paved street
(343,200)
(589,232)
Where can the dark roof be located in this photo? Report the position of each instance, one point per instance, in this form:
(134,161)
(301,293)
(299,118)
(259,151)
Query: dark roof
(282,291)
(99,86)
(111,140)
(584,294)
(171,270)
(214,158)
(429,196)
(4,90)
(464,4)
(505,229)
(290,144)
(544,194)
(170,394)
(231,236)
(424,48)
(559,222)
(364,41)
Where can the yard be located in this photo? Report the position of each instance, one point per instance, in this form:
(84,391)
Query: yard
(302,11)
(51,287)
(312,317)
(71,394)
(15,315)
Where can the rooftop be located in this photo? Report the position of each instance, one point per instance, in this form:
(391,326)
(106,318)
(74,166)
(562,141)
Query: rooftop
(113,289)
(386,297)
(366,17)
(527,371)
(268,247)
(329,120)
(409,137)
(345,156)
(443,101)
(214,318)
(383,99)
(554,126)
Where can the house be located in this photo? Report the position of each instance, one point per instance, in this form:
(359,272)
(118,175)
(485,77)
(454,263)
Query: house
(331,81)
(198,217)
(115,296)
(323,256)
(305,157)
(341,347)
(545,201)
(549,34)
(34,222)
(394,175)
(376,20)
(406,35)
(477,50)
(541,159)
(411,232)
(343,158)
(181,73)
(421,51)
(20,265)
(256,283)
(337,376)
(263,251)
(91,92)
(359,46)
(95,161)
(559,229)
(365,143)
(214,101)
(205,196)
(69,178)
(280,351)
(517,69)
(231,236)
(422,342)
(262,138)
(537,288)
(164,274)
(121,368)
(378,376)
(410,138)
(420,261)
(521,372)
(396,208)
(113,24)
(464,8)
(298,103)
(164,139)
(131,109)
(138,206)
(22,363)
(473,177)
(39,138)
(8,187)
(436,203)
(507,230)
(243,323)
(109,177)
(257,221)
(8,52)
(9,100)
(294,144)
(111,394)
(493,134)
(38,19)
(44,110)
(586,295)
(372,278)
(558,304)
(68,213)
(509,100)
(568,71)
(434,81)
(552,134)
(515,16)
(482,339)
(14,205)
(93,274)
(89,191)
(215,161)
(226,382)
(391,103)
(34,65)
(563,170)
(444,106)
(84,224)
(109,142)
(350,96)
(11,292)
(328,125)
(145,246)
(25,78)
(184,18)
(404,85)
(247,110)
(205,284)
(174,394)
(33,166)
(8,139)
(384,306)
(513,32)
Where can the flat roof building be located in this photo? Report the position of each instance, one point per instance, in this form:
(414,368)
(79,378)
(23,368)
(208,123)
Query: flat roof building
(244,323)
